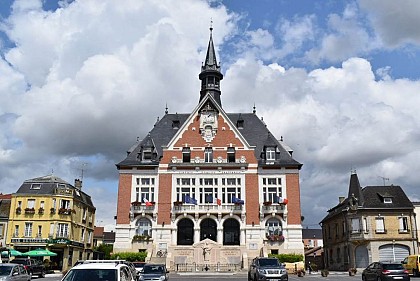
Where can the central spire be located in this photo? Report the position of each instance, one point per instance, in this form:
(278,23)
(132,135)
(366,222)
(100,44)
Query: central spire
(210,75)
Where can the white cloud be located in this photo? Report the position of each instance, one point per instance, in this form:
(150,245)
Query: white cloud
(396,22)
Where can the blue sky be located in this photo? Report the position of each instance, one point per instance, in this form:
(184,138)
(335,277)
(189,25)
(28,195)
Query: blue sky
(338,80)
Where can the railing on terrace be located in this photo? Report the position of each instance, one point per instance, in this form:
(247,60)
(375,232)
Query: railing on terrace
(219,267)
(275,208)
(207,208)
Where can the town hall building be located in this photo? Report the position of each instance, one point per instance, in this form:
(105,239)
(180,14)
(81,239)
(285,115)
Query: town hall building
(209,188)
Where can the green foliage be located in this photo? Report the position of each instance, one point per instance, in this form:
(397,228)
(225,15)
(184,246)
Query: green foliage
(130,256)
(287,257)
(106,249)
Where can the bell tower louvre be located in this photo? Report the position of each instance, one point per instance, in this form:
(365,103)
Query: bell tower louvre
(209,188)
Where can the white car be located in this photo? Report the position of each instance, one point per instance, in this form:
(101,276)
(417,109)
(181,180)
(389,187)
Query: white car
(99,271)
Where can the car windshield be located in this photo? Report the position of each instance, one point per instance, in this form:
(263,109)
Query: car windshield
(393,266)
(139,265)
(269,262)
(153,269)
(91,275)
(5,270)
(18,261)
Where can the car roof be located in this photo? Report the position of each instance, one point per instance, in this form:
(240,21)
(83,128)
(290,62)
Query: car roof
(10,264)
(99,266)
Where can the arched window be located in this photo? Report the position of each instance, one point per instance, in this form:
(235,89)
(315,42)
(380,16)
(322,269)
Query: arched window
(273,227)
(231,232)
(185,232)
(144,227)
(208,230)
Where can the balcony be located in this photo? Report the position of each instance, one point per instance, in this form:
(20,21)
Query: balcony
(137,208)
(274,208)
(207,208)
(64,211)
(30,211)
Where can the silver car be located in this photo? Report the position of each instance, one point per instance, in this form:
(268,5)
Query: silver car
(15,272)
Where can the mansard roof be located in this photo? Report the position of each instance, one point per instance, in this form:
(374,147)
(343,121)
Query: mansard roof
(254,130)
(374,200)
(48,185)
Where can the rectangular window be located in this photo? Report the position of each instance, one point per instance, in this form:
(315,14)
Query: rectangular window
(82,237)
(62,230)
(270,154)
(186,155)
(51,234)
(147,154)
(28,229)
(146,190)
(403,224)
(16,233)
(272,190)
(231,155)
(355,225)
(39,232)
(42,204)
(380,225)
(208,155)
(19,204)
(365,225)
(84,213)
(64,204)
(31,204)
(1,230)
(388,200)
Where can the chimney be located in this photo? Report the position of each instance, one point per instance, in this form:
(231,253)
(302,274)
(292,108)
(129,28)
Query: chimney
(341,199)
(78,184)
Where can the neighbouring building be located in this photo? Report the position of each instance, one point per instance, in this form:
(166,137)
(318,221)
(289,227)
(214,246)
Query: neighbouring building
(209,188)
(47,212)
(100,236)
(374,223)
(417,215)
(313,244)
(5,200)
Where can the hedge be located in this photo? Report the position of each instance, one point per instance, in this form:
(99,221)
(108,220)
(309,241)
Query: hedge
(287,257)
(129,256)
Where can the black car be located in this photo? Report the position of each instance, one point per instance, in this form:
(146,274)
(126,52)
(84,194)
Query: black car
(382,271)
(34,267)
(263,269)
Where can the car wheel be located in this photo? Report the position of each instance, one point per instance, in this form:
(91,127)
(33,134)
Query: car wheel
(416,272)
(42,275)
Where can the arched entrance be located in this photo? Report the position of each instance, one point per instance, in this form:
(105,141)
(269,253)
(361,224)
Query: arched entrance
(208,230)
(362,258)
(231,232)
(185,232)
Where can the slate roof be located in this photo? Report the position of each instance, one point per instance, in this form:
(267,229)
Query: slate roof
(311,233)
(48,184)
(254,131)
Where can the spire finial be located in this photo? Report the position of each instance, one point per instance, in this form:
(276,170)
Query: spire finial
(166,108)
(211,26)
(254,109)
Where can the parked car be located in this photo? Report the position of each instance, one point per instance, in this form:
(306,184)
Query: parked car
(154,272)
(13,272)
(34,267)
(266,268)
(382,271)
(127,263)
(139,265)
(99,271)
(412,264)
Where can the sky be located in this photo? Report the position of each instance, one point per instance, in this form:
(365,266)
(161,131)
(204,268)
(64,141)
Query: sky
(81,80)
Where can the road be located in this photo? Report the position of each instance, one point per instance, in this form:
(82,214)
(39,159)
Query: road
(237,277)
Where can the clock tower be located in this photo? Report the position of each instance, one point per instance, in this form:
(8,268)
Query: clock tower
(210,75)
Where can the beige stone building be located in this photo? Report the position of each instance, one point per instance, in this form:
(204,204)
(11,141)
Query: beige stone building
(374,223)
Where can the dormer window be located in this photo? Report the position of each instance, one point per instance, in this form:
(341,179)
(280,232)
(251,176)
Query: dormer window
(387,200)
(270,154)
(36,186)
(147,154)
(186,155)
(231,155)
(175,124)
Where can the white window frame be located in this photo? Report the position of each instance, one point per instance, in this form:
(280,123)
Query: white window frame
(403,224)
(270,154)
(380,225)
(355,225)
(28,229)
